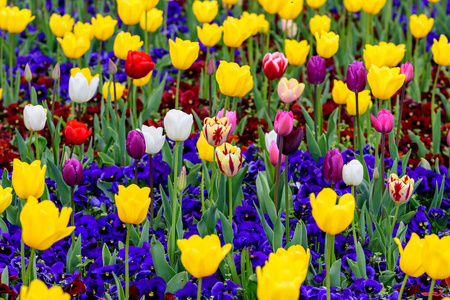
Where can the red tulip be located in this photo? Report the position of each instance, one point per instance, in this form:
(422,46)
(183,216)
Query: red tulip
(138,64)
(274,65)
(76,132)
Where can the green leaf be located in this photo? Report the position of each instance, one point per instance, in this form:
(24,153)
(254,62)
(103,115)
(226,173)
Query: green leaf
(335,273)
(107,160)
(313,147)
(120,292)
(5,276)
(162,268)
(106,255)
(144,233)
(227,230)
(73,253)
(361,258)
(177,282)
(422,151)
(63,190)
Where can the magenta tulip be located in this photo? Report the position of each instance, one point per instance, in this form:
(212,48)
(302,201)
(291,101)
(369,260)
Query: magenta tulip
(284,123)
(384,122)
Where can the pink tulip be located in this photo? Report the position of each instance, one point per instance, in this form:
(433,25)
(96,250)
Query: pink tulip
(408,70)
(274,65)
(273,154)
(448,138)
(284,123)
(384,122)
(290,90)
(231,116)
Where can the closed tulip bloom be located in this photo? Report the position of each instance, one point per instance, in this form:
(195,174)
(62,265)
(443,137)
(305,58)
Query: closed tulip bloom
(216,130)
(296,52)
(132,203)
(76,133)
(400,189)
(269,137)
(233,80)
(130,11)
(135,144)
(18,19)
(290,90)
(434,1)
(364,100)
(125,42)
(448,138)
(28,179)
(183,53)
(332,166)
(289,27)
(291,142)
(35,117)
(384,122)
(235,32)
(253,22)
(408,70)
(42,223)
(411,262)
(436,256)
(1,92)
(384,54)
(150,4)
(420,25)
(356,77)
(201,256)
(353,5)
(154,139)
(209,34)
(229,2)
(178,125)
(353,173)
(72,172)
(284,123)
(231,116)
(385,82)
(373,7)
(74,47)
(143,81)
(330,217)
(138,64)
(38,290)
(4,14)
(205,150)
(211,67)
(103,27)
(5,198)
(274,65)
(327,44)
(340,92)
(108,90)
(83,29)
(82,85)
(316,70)
(273,154)
(273,6)
(205,11)
(154,20)
(315,3)
(229,159)
(440,50)
(319,23)
(61,24)
(2,4)
(291,10)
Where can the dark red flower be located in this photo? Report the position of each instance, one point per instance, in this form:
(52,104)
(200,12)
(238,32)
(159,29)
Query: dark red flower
(138,64)
(75,287)
(76,133)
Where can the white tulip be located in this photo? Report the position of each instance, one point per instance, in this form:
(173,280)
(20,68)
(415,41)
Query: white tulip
(289,27)
(353,172)
(269,137)
(80,90)
(34,117)
(178,125)
(154,139)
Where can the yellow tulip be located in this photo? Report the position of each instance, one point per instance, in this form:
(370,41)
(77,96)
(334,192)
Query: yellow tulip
(233,80)
(235,32)
(353,5)
(383,55)
(43,225)
(327,44)
(38,290)
(142,81)
(1,92)
(315,3)
(411,261)
(130,11)
(201,256)
(283,273)
(119,90)
(253,22)
(291,10)
(125,42)
(205,11)
(384,82)
(28,179)
(84,29)
(132,203)
(154,19)
(74,47)
(103,27)
(205,150)
(4,14)
(434,1)
(273,6)
(330,217)
(420,26)
(318,23)
(373,7)
(5,198)
(59,25)
(296,52)
(364,100)
(229,159)
(2,4)
(229,2)
(210,34)
(18,19)
(265,27)
(340,92)
(150,4)
(436,256)
(183,53)
(441,50)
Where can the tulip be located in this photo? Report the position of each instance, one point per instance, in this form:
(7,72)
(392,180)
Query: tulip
(364,100)
(332,166)
(83,29)
(353,5)
(353,173)
(231,116)
(72,172)
(296,52)
(434,1)
(411,262)
(178,125)
(273,6)
(130,11)
(252,22)
(407,70)
(385,82)
(384,122)
(150,4)
(76,132)
(138,64)
(330,217)
(420,26)
(274,65)
(356,77)
(154,139)
(211,68)
(229,2)
(273,154)
(136,144)
(108,89)
(5,198)
(59,25)
(319,23)
(290,90)
(210,34)
(216,130)
(143,81)
(373,7)
(327,44)
(340,92)
(28,179)
(38,290)
(205,11)
(205,150)
(201,256)
(289,27)
(384,54)
(269,137)
(235,32)
(125,42)
(34,117)
(132,203)
(1,93)
(233,80)
(229,159)
(315,3)
(440,50)
(183,53)
(154,20)
(103,27)
(82,85)
(400,189)
(291,10)
(436,256)
(2,4)
(74,47)
(4,14)
(28,75)
(316,70)
(18,19)
(448,138)
(284,123)
(291,142)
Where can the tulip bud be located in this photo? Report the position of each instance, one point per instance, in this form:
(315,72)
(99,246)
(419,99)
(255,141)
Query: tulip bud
(28,74)
(72,172)
(376,173)
(112,68)
(274,65)
(274,153)
(400,189)
(181,183)
(284,123)
(178,125)
(229,159)
(356,77)
(448,138)
(211,69)
(316,70)
(408,70)
(291,142)
(34,117)
(332,166)
(138,64)
(353,172)
(425,164)
(56,73)
(135,144)
(384,122)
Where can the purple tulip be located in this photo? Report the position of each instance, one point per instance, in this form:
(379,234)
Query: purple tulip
(135,144)
(408,70)
(384,122)
(72,172)
(316,70)
(332,166)
(291,142)
(356,77)
(284,123)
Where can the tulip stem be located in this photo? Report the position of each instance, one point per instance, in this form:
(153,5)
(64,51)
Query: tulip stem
(383,145)
(316,113)
(127,275)
(430,294)
(199,289)
(150,175)
(36,145)
(403,287)
(355,238)
(11,61)
(175,181)
(116,109)
(400,114)
(277,172)
(416,54)
(286,198)
(72,216)
(213,171)
(330,247)
(177,89)
(22,258)
(338,129)
(26,281)
(202,187)
(433,95)
(269,93)
(1,58)
(395,219)
(230,200)
(358,131)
